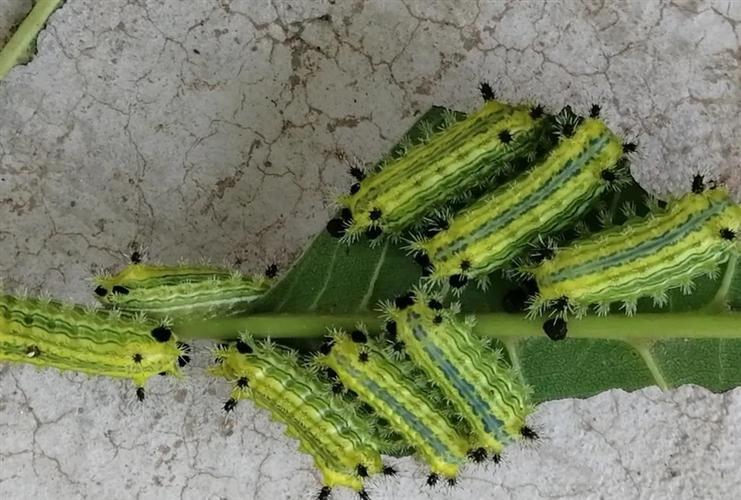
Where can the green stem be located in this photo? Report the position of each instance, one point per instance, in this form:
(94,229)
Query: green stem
(646,327)
(20,46)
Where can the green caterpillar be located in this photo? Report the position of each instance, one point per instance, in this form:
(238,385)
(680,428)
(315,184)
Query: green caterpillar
(388,387)
(486,394)
(499,226)
(48,333)
(464,155)
(693,236)
(328,428)
(180,292)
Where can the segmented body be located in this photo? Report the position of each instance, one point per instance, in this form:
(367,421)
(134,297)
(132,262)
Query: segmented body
(693,236)
(47,333)
(368,370)
(464,155)
(553,194)
(327,427)
(180,292)
(485,392)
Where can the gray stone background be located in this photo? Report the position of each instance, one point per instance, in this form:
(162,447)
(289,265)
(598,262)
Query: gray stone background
(218,128)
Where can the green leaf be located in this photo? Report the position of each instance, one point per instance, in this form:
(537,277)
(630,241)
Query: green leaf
(695,339)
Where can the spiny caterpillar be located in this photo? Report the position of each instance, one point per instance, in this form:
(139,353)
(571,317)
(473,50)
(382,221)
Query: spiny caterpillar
(693,236)
(328,428)
(464,155)
(180,292)
(553,194)
(48,333)
(485,392)
(388,386)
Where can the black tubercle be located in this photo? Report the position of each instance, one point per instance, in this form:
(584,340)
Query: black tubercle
(355,188)
(324,493)
(357,173)
(465,265)
(458,280)
(432,479)
(120,290)
(630,147)
(388,471)
(33,351)
(595,110)
(496,458)
(398,346)
(330,374)
(437,319)
(230,404)
(346,215)
(698,184)
(487,93)
(184,358)
(404,301)
(136,257)
(561,304)
(326,346)
(452,481)
(373,232)
(243,347)
(608,175)
(358,336)
(477,455)
(100,291)
(140,394)
(336,228)
(391,330)
(161,333)
(515,300)
(363,495)
(528,433)
(424,261)
(362,470)
(434,304)
(137,358)
(505,136)
(375,214)
(363,357)
(555,328)
(243,382)
(536,112)
(728,234)
(337,388)
(542,253)
(271,271)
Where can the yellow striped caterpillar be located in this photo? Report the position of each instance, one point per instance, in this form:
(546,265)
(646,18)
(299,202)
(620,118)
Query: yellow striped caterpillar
(180,292)
(388,386)
(487,394)
(642,258)
(466,154)
(330,429)
(47,333)
(494,230)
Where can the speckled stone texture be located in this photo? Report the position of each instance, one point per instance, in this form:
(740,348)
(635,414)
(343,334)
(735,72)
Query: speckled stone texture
(221,129)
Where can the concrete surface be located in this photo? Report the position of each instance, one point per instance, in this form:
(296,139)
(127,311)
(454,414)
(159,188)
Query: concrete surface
(216,128)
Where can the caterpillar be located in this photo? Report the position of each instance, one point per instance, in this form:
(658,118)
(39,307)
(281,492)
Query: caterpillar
(388,386)
(47,333)
(485,392)
(643,257)
(553,194)
(328,428)
(464,155)
(180,292)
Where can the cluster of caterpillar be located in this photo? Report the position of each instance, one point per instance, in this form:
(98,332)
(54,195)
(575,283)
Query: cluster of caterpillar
(428,385)
(575,165)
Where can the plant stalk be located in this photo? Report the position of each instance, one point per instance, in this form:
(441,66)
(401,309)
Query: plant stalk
(647,326)
(19,48)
